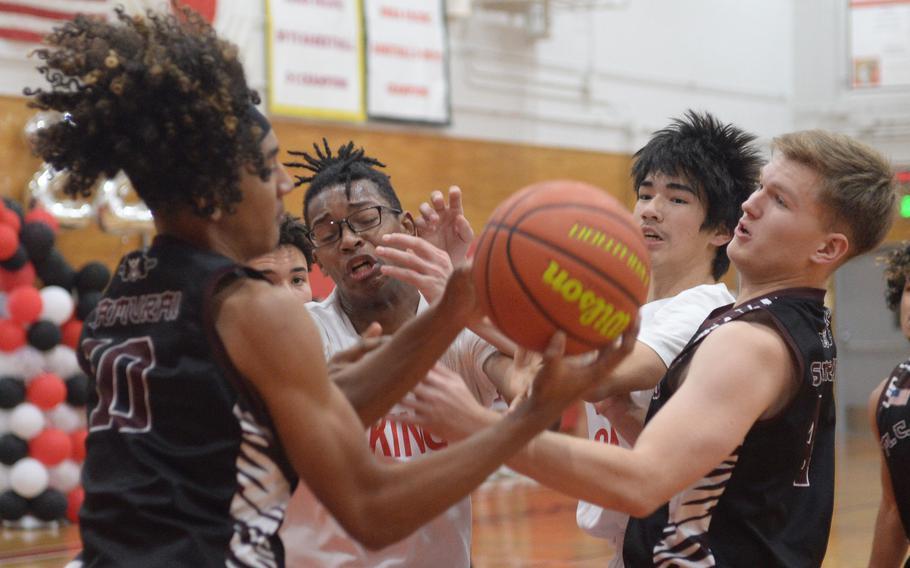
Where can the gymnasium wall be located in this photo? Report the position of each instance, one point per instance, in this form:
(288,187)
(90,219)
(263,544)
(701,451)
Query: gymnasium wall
(418,163)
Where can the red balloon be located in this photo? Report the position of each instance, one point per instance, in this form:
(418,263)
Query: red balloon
(74,503)
(12,336)
(24,304)
(9,242)
(51,446)
(46,391)
(70,332)
(78,437)
(9,217)
(25,276)
(41,215)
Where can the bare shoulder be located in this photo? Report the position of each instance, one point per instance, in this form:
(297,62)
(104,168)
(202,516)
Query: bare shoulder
(746,340)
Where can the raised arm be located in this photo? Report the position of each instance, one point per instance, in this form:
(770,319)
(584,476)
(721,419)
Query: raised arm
(889,541)
(323,437)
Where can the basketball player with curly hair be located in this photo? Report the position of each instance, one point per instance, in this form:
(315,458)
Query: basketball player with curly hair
(210,392)
(888,413)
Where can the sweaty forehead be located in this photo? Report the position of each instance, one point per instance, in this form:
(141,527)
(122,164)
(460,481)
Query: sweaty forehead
(337,200)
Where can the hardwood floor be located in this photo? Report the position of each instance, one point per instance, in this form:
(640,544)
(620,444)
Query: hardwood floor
(518,523)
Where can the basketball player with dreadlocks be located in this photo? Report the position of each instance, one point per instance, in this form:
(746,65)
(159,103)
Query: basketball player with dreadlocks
(889,414)
(210,394)
(740,431)
(350,206)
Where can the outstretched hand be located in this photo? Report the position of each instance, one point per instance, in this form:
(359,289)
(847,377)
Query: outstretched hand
(442,404)
(444,225)
(561,381)
(417,262)
(370,340)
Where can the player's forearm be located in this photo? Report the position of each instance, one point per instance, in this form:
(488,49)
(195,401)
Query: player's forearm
(889,544)
(381,378)
(593,471)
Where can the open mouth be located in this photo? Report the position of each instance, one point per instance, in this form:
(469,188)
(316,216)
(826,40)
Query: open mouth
(362,267)
(651,235)
(742,229)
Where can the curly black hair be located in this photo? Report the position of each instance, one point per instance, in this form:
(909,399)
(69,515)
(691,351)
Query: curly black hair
(294,233)
(897,268)
(160,97)
(345,167)
(719,158)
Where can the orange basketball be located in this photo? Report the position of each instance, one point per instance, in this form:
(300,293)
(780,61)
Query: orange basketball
(561,255)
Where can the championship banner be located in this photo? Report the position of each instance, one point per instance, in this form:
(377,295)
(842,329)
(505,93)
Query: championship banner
(880,43)
(315,58)
(407,61)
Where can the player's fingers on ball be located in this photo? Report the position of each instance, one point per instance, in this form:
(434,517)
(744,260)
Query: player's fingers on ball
(556,347)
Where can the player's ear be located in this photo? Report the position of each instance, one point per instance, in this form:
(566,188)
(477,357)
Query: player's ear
(721,236)
(407,223)
(832,249)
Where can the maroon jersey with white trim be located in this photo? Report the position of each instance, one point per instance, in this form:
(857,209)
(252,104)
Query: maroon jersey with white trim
(183,466)
(770,502)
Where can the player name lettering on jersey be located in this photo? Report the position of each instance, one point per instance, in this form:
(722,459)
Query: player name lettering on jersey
(823,372)
(391,438)
(899,431)
(134,310)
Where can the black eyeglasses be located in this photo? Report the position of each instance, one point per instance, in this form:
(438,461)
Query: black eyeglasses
(327,232)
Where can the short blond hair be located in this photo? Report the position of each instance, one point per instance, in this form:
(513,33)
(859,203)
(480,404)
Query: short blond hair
(857,183)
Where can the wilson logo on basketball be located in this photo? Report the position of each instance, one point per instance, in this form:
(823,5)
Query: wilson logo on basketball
(595,312)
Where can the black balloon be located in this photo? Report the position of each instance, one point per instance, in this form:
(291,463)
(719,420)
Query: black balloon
(38,240)
(55,271)
(86,304)
(77,390)
(43,335)
(17,261)
(92,277)
(49,506)
(12,392)
(12,506)
(12,449)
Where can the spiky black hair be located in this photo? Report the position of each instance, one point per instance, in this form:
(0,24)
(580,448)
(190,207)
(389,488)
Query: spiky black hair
(719,159)
(345,167)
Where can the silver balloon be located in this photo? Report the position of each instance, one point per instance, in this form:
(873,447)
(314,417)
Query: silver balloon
(38,122)
(119,209)
(46,188)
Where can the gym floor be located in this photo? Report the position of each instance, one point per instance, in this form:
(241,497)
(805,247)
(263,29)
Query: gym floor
(522,524)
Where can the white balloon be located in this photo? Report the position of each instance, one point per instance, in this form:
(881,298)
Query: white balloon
(62,360)
(26,421)
(28,477)
(28,361)
(8,366)
(64,477)
(57,304)
(66,418)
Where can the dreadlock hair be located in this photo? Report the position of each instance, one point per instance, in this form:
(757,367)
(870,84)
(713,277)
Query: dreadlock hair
(345,167)
(897,268)
(294,233)
(719,159)
(160,97)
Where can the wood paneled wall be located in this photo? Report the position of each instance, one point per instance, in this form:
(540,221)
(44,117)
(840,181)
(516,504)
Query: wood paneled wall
(418,163)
